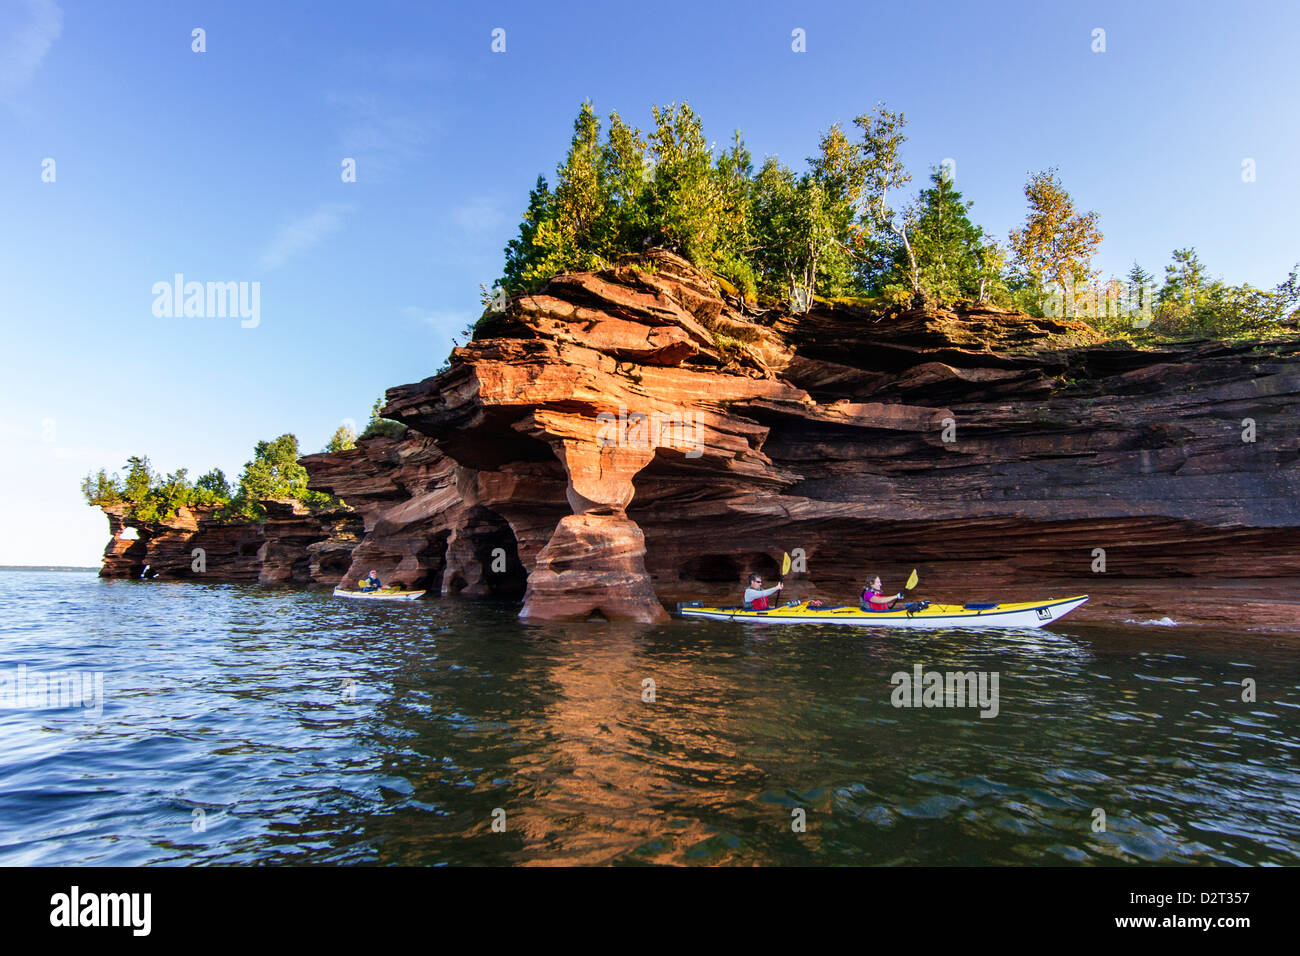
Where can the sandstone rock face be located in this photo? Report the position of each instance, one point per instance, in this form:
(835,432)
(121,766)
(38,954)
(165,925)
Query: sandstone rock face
(192,545)
(629,438)
(697,439)
(428,522)
(293,546)
(593,564)
(306,547)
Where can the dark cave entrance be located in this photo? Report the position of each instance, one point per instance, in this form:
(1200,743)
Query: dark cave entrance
(335,564)
(730,568)
(484,559)
(433,562)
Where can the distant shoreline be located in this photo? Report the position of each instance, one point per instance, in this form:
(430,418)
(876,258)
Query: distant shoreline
(44,567)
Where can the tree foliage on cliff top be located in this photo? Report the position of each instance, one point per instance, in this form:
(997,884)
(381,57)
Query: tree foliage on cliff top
(831,229)
(841,228)
(381,426)
(273,472)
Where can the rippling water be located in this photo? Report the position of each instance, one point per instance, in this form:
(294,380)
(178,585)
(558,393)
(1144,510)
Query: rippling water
(243,725)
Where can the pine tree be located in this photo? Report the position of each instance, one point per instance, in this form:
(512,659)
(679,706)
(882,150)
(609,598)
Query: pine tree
(949,247)
(685,199)
(522,252)
(1139,286)
(1184,281)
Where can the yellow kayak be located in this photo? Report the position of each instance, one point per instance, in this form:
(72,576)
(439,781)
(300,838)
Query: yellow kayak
(918,614)
(380,594)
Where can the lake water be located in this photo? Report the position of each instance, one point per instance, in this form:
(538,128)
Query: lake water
(240,725)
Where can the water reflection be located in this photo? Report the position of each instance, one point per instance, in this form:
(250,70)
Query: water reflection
(249,725)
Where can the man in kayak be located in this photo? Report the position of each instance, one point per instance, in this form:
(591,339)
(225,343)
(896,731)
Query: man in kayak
(755,596)
(370,582)
(874,599)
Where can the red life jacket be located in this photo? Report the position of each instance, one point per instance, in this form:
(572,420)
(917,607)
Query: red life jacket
(758,604)
(867,595)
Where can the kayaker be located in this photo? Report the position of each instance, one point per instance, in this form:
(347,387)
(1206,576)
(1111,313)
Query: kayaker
(370,582)
(755,596)
(874,599)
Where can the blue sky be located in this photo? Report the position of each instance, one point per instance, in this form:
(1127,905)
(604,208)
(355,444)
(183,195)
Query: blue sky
(225,166)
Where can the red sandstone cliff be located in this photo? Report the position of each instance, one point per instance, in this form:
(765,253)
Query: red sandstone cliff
(292,546)
(995,450)
(636,436)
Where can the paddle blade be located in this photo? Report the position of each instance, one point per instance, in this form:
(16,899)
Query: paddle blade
(785,564)
(911,580)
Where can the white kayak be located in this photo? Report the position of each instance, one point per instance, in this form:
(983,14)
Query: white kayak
(381,594)
(1022,614)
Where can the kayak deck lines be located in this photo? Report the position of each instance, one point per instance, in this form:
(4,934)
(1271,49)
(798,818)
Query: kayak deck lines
(1012,615)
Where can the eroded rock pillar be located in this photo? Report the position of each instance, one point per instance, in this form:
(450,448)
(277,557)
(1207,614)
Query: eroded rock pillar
(594,561)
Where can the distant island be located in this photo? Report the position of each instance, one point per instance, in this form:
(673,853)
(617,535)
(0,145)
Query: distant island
(44,567)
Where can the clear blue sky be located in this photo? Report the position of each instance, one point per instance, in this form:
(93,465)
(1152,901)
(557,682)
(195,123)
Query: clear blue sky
(225,166)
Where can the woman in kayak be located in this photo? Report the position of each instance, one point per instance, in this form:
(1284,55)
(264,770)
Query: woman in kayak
(755,596)
(874,599)
(370,582)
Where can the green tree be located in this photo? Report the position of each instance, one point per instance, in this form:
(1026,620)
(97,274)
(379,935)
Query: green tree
(685,202)
(627,173)
(832,192)
(948,247)
(380,426)
(522,252)
(101,489)
(173,493)
(884,173)
(274,472)
(342,440)
(1139,285)
(581,200)
(778,228)
(212,488)
(1056,244)
(1287,294)
(991,273)
(140,479)
(570,228)
(1185,279)
(735,173)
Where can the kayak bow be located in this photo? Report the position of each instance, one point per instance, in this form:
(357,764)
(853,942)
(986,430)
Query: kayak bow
(1023,614)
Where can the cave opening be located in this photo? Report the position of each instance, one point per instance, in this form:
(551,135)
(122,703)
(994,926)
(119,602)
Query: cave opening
(483,559)
(432,559)
(335,564)
(729,568)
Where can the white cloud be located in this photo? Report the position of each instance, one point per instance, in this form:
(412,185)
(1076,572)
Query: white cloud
(379,137)
(24,41)
(75,452)
(448,321)
(479,215)
(302,234)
